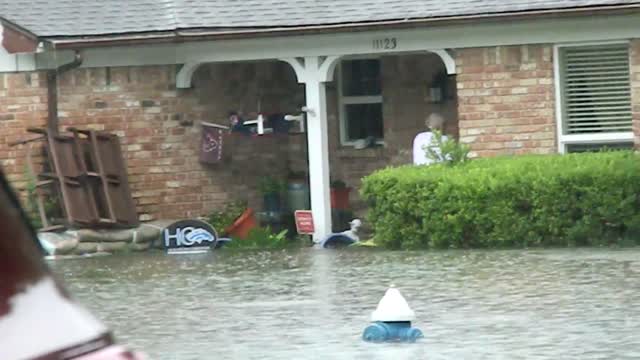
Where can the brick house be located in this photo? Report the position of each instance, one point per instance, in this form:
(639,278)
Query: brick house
(511,78)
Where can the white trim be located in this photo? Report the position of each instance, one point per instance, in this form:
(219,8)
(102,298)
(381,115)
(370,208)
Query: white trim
(354,100)
(597,138)
(183,78)
(432,38)
(558,99)
(590,43)
(571,139)
(447,59)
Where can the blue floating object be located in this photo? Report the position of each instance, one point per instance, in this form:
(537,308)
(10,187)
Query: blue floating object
(337,240)
(398,331)
(345,238)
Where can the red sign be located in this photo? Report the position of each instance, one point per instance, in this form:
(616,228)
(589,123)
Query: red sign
(304,222)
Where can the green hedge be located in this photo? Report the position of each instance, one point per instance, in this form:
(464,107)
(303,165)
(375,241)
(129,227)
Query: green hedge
(523,201)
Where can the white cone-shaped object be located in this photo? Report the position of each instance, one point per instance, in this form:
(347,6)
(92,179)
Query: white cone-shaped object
(393,307)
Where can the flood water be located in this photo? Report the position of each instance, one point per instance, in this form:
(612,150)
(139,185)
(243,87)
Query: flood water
(314,304)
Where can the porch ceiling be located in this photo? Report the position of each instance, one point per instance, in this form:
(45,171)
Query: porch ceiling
(75,18)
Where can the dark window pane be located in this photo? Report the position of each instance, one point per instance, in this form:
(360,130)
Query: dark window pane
(364,120)
(574,148)
(361,77)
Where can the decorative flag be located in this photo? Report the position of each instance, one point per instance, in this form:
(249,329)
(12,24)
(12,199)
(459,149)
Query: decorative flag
(211,144)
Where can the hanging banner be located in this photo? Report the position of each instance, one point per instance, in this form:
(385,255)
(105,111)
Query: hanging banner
(212,143)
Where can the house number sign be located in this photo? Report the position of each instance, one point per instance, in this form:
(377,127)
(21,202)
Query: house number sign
(389,43)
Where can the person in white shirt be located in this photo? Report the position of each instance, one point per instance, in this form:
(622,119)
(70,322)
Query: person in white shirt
(425,139)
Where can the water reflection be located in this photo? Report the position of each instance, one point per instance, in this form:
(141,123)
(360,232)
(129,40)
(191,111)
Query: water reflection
(314,304)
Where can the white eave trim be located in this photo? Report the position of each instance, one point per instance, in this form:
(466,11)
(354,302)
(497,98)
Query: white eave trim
(496,33)
(597,138)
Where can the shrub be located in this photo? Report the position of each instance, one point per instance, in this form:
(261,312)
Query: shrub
(552,200)
(271,185)
(225,217)
(450,152)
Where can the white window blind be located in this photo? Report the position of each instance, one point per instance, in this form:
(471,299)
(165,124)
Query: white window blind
(596,92)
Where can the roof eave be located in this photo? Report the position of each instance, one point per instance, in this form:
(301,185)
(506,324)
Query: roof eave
(16,39)
(182,35)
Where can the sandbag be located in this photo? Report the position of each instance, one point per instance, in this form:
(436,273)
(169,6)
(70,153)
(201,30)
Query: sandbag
(57,243)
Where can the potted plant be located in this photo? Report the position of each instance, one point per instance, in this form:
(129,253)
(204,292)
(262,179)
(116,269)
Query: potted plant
(234,219)
(271,188)
(298,191)
(339,195)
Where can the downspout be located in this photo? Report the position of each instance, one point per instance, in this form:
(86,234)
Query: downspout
(52,91)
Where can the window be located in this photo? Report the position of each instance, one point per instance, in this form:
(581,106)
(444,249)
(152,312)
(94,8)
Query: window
(360,100)
(594,93)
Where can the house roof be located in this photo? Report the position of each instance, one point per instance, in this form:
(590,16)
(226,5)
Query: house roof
(76,18)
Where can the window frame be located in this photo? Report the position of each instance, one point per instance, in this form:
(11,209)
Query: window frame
(594,138)
(344,100)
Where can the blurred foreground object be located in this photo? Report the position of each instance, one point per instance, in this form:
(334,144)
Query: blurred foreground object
(38,319)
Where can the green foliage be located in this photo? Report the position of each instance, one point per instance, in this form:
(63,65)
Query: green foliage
(31,206)
(271,185)
(225,217)
(261,238)
(451,152)
(525,201)
(338,184)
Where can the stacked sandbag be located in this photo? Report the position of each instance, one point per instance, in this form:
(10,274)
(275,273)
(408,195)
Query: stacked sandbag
(89,241)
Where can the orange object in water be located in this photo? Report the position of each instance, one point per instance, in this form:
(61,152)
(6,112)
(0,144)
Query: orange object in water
(243,225)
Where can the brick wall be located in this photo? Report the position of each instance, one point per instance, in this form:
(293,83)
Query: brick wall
(506,99)
(159,128)
(23,104)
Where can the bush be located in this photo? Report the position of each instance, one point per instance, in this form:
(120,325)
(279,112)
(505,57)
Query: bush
(225,217)
(450,152)
(553,200)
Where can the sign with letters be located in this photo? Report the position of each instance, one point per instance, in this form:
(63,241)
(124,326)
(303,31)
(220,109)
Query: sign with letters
(304,222)
(189,236)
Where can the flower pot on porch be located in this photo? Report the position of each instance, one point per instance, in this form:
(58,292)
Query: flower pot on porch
(298,196)
(340,198)
(243,225)
(271,202)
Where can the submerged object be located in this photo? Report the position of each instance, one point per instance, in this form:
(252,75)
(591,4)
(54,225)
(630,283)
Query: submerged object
(391,321)
(222,242)
(344,238)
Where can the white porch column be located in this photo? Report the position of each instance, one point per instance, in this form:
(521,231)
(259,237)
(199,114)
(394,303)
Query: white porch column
(315,72)
(318,140)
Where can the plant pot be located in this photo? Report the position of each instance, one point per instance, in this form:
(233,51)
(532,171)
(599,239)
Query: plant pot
(340,198)
(271,202)
(298,196)
(243,225)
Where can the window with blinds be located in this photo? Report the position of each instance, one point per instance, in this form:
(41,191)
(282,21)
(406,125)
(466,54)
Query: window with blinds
(596,91)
